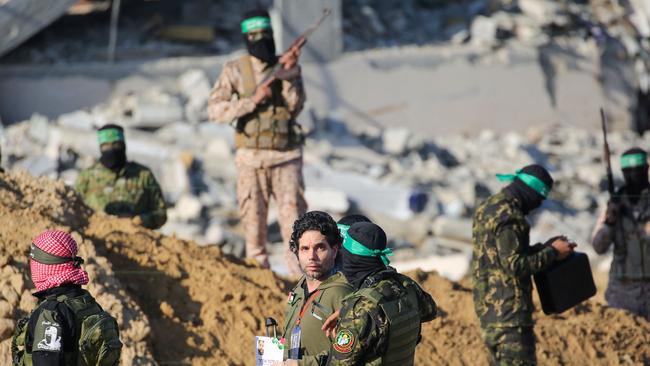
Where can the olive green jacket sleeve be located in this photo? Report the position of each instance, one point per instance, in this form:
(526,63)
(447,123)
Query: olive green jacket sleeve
(81,184)
(332,299)
(515,257)
(155,214)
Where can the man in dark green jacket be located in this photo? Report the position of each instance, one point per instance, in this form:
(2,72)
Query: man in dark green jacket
(315,240)
(503,263)
(380,323)
(120,187)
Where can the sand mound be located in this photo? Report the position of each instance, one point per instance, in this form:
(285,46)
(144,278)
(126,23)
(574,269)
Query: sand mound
(590,334)
(203,307)
(27,207)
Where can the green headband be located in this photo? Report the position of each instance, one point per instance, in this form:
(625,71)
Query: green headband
(530,180)
(255,23)
(357,248)
(110,135)
(633,160)
(344,230)
(43,257)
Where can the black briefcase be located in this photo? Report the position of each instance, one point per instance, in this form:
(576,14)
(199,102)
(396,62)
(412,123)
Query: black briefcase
(565,284)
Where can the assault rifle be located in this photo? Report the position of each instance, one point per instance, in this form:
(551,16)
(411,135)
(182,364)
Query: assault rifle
(606,155)
(620,248)
(278,72)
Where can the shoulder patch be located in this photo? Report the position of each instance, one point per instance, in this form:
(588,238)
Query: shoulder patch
(51,338)
(344,341)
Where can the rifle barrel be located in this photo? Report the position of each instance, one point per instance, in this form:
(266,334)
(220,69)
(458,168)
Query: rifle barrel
(606,154)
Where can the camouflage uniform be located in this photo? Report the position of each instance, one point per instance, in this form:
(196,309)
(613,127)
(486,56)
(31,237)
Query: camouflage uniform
(502,265)
(133,191)
(363,332)
(263,173)
(629,275)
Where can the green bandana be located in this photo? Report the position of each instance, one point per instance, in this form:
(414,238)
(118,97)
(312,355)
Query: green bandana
(633,160)
(357,248)
(110,135)
(255,23)
(530,180)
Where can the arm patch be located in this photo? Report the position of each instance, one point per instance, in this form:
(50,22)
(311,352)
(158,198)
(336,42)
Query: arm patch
(344,341)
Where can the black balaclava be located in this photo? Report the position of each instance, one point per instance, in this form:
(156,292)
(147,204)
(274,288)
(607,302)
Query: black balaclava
(636,177)
(357,268)
(115,158)
(263,49)
(527,198)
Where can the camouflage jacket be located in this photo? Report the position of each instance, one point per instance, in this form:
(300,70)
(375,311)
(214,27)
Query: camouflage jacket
(133,191)
(503,262)
(226,103)
(630,236)
(364,326)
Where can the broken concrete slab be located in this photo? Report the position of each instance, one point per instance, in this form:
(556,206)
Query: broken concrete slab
(395,140)
(81,120)
(21,19)
(452,228)
(328,200)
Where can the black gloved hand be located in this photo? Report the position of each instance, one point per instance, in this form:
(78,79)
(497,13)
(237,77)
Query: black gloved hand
(613,212)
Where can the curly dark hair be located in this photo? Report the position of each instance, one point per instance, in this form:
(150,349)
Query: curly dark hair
(315,220)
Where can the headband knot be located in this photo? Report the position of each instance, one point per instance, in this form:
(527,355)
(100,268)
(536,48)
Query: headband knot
(357,248)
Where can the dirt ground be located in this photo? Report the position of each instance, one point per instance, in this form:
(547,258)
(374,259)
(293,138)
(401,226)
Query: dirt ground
(179,303)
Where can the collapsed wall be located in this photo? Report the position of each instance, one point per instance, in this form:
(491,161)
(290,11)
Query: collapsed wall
(178,302)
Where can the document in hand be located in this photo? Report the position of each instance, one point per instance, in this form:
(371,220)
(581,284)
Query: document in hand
(267,351)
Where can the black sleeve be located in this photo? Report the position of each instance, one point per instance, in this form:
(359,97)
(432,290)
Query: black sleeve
(65,318)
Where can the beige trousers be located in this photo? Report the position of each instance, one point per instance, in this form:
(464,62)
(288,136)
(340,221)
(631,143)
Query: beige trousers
(255,187)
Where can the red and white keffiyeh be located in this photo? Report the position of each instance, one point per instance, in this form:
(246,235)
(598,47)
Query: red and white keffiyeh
(46,276)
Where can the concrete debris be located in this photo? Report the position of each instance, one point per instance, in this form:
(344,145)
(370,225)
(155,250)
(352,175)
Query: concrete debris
(395,140)
(447,227)
(328,200)
(483,31)
(376,177)
(188,208)
(81,120)
(195,86)
(352,163)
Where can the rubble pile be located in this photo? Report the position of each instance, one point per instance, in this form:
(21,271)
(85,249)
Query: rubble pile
(565,35)
(370,24)
(189,304)
(347,168)
(423,190)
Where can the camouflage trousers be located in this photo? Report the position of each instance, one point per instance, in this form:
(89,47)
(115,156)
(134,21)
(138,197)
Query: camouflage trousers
(631,295)
(255,187)
(510,345)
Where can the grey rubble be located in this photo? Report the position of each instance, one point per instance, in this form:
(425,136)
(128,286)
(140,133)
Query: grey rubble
(383,123)
(344,171)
